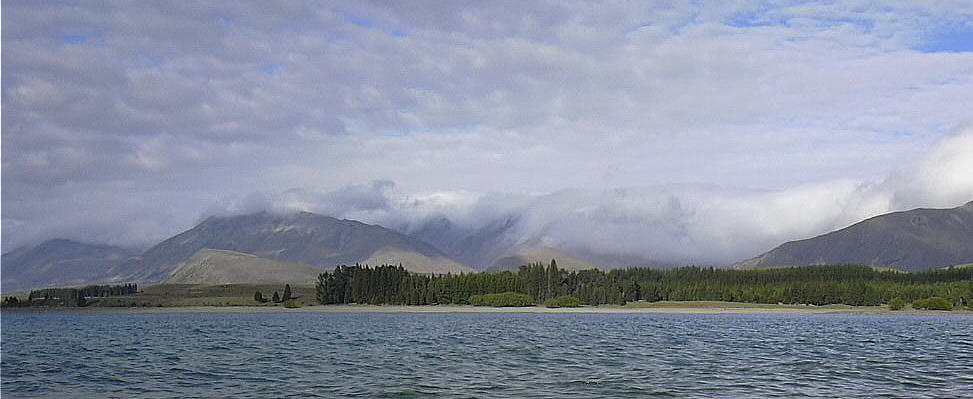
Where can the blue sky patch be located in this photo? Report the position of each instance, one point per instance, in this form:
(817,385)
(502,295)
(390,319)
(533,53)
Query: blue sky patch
(270,69)
(955,41)
(74,38)
(355,20)
(751,20)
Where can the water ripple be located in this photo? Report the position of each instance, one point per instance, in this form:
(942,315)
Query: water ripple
(484,355)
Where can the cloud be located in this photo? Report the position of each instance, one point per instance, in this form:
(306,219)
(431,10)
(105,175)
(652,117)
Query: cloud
(675,224)
(126,122)
(945,175)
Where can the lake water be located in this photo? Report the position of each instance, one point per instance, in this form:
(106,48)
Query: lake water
(484,355)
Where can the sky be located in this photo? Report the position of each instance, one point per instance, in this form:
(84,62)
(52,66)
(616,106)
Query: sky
(693,132)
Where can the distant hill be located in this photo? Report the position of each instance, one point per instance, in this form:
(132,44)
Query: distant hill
(501,244)
(320,241)
(416,262)
(918,239)
(442,233)
(217,266)
(60,262)
(479,248)
(564,261)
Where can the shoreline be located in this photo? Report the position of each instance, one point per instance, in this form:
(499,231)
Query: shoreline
(666,308)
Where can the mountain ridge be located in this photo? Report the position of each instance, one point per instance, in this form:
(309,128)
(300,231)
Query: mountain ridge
(913,240)
(59,261)
(303,237)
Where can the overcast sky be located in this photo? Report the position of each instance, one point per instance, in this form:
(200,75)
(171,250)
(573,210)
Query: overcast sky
(693,132)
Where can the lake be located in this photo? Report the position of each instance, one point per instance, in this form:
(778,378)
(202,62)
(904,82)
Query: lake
(484,355)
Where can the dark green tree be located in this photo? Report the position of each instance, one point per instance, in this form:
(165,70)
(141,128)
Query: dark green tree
(287,293)
(259,297)
(276,297)
(553,280)
(81,300)
(819,285)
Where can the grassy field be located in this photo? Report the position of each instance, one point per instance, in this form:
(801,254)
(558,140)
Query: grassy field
(238,298)
(719,304)
(167,295)
(715,308)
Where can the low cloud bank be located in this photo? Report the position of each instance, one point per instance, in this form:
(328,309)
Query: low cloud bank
(682,224)
(677,224)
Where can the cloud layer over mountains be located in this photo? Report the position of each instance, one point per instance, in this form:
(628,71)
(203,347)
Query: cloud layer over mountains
(686,132)
(680,224)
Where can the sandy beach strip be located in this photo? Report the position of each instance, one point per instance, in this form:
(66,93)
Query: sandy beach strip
(667,308)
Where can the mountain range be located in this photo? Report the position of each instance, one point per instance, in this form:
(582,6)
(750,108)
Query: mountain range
(501,244)
(317,241)
(307,238)
(273,247)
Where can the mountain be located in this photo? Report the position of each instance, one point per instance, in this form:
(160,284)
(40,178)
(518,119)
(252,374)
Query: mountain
(416,262)
(497,245)
(442,233)
(307,238)
(608,261)
(564,261)
(479,247)
(502,244)
(60,262)
(918,239)
(217,266)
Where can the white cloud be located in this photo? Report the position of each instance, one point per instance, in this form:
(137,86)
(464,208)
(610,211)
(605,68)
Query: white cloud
(945,176)
(161,111)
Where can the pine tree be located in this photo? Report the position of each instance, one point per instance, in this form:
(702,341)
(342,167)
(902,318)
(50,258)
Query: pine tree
(287,293)
(258,297)
(276,297)
(552,280)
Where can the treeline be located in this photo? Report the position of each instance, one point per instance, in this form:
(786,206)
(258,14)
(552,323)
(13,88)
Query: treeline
(818,285)
(71,296)
(109,290)
(86,291)
(394,285)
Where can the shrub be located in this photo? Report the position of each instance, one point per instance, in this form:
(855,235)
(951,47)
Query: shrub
(11,301)
(934,303)
(291,305)
(564,301)
(506,299)
(897,303)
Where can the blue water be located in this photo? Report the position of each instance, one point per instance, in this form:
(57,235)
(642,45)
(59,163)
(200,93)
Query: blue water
(484,355)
